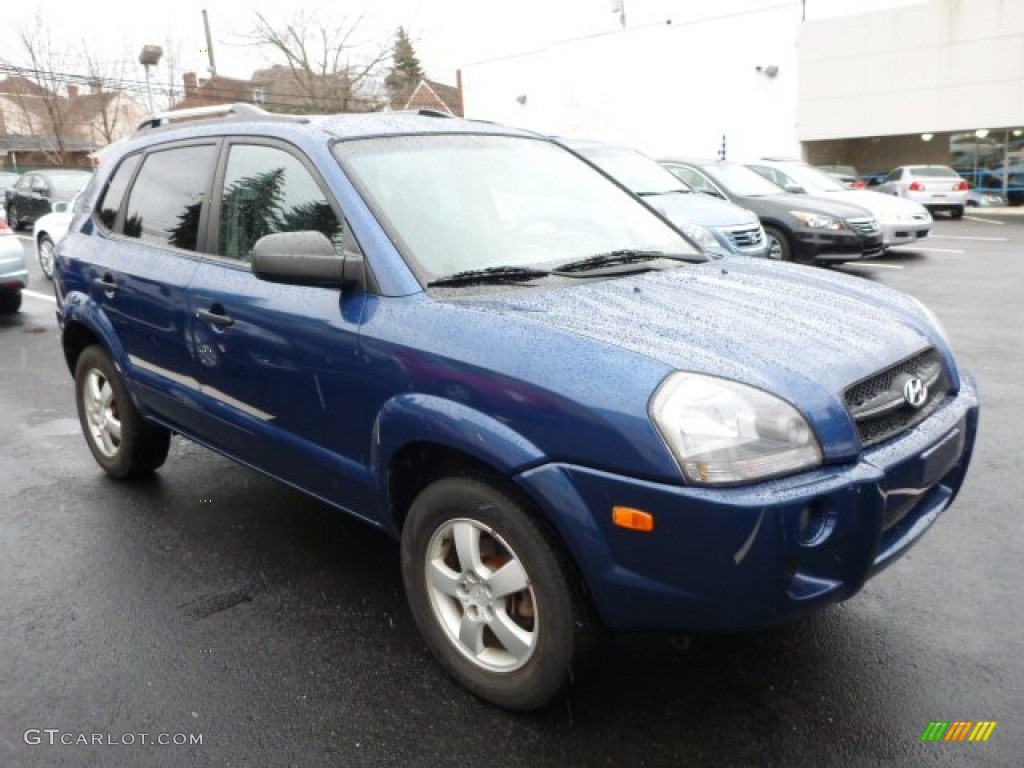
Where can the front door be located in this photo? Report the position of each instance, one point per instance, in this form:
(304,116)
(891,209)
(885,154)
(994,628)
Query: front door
(279,365)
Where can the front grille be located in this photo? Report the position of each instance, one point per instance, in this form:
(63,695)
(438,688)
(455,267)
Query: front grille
(879,406)
(864,226)
(745,238)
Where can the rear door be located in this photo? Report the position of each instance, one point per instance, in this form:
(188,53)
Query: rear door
(141,260)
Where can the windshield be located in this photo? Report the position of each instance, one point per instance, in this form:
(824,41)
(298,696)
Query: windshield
(635,171)
(811,179)
(740,180)
(454,203)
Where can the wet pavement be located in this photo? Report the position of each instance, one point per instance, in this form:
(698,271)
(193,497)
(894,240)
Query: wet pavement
(211,602)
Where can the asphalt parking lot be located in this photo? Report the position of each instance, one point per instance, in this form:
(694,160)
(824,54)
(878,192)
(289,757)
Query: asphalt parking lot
(209,601)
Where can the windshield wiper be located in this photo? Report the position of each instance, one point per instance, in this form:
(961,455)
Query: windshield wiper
(490,275)
(623,256)
(673,191)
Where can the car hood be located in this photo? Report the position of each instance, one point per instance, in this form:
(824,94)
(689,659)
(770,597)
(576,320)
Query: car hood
(884,207)
(695,208)
(804,335)
(811,203)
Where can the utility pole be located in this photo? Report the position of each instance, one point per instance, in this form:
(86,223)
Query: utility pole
(209,44)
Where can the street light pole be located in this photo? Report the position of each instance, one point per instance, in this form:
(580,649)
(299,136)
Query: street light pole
(150,57)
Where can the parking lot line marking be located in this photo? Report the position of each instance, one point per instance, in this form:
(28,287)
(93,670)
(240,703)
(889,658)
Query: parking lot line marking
(871,264)
(42,296)
(912,249)
(27,238)
(979,239)
(985,221)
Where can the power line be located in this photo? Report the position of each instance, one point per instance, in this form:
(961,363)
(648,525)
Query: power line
(214,92)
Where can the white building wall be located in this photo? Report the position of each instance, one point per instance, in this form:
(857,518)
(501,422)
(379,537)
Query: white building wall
(946,65)
(666,88)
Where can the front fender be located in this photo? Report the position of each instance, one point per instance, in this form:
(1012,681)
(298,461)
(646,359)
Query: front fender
(418,418)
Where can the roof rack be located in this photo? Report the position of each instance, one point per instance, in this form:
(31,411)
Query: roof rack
(240,111)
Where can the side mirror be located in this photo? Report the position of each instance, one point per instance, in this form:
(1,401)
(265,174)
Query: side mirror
(61,207)
(305,258)
(795,189)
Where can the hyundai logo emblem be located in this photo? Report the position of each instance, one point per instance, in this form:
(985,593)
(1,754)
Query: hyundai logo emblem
(915,392)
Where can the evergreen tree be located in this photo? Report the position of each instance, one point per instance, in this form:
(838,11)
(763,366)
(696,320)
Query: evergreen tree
(406,71)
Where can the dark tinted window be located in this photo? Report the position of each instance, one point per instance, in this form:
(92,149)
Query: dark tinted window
(166,201)
(111,202)
(268,190)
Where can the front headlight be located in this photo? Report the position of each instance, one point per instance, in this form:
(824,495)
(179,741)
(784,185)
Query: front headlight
(722,432)
(818,220)
(700,236)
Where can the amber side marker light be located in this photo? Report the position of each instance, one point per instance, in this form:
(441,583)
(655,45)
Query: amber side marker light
(632,519)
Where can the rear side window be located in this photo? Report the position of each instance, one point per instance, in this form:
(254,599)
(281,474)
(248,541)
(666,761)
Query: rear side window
(166,201)
(110,205)
(268,190)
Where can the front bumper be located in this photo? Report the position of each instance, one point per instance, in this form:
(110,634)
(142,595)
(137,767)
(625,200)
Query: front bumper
(902,232)
(739,559)
(831,246)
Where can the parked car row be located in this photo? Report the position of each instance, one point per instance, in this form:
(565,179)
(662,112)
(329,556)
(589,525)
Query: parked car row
(571,416)
(902,221)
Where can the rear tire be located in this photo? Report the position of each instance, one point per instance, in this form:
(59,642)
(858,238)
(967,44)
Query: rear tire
(957,213)
(494,595)
(12,218)
(10,302)
(121,441)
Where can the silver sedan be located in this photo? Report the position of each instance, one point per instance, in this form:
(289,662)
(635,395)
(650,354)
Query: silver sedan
(13,275)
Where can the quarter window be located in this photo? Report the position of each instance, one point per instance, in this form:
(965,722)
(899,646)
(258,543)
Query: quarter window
(268,190)
(110,205)
(166,201)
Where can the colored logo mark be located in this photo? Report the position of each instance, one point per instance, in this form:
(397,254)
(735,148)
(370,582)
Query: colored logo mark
(958,730)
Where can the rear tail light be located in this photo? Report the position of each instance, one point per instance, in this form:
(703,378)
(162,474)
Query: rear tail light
(916,186)
(961,186)
(3,226)
(859,184)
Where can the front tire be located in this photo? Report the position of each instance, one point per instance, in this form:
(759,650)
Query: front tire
(121,441)
(495,597)
(12,217)
(778,244)
(44,249)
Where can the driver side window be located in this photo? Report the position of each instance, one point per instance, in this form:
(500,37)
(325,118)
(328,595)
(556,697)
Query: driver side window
(268,190)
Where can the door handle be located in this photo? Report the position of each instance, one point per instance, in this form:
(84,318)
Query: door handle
(106,283)
(215,318)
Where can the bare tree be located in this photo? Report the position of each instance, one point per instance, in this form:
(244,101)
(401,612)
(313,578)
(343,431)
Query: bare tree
(106,103)
(327,70)
(36,90)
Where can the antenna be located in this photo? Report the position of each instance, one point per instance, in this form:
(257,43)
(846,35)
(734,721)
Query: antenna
(209,44)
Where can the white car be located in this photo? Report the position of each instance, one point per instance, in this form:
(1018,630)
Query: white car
(936,187)
(48,230)
(902,221)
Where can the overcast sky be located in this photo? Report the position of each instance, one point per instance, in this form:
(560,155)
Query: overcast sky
(447,33)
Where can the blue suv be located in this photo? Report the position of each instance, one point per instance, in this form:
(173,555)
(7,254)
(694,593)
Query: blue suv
(572,418)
